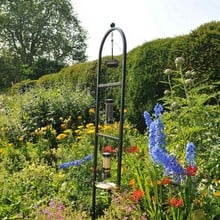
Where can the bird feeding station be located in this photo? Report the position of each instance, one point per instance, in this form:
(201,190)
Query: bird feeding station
(109,111)
(109,118)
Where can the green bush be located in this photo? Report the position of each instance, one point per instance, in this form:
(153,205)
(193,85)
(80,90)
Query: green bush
(54,130)
(40,113)
(145,66)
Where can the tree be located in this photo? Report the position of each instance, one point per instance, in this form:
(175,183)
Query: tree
(44,66)
(9,70)
(33,29)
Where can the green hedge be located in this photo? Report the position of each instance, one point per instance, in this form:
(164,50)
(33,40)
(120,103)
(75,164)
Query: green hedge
(145,67)
(147,63)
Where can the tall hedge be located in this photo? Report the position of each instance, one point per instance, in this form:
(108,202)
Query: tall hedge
(146,64)
(145,67)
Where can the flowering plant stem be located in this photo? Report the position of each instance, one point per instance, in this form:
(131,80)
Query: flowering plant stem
(188,195)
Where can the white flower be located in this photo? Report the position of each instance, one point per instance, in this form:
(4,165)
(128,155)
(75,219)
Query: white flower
(167,72)
(179,61)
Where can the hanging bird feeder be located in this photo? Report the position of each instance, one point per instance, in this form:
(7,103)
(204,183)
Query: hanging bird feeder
(112,63)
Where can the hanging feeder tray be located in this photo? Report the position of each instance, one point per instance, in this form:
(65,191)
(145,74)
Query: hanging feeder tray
(113,63)
(106,185)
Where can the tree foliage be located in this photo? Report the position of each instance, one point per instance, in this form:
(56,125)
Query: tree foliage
(8,70)
(33,29)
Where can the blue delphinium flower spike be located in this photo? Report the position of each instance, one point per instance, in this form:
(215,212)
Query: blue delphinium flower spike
(169,163)
(147,118)
(158,109)
(157,144)
(88,157)
(75,162)
(190,154)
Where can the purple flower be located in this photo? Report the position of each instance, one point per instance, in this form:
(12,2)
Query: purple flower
(157,144)
(52,204)
(158,109)
(157,136)
(160,137)
(88,157)
(147,119)
(75,162)
(190,154)
(169,163)
(60,206)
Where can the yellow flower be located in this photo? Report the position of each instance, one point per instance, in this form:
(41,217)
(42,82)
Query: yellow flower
(107,127)
(21,138)
(126,126)
(80,127)
(159,182)
(218,181)
(116,124)
(79,117)
(217,193)
(78,132)
(44,128)
(67,131)
(61,136)
(89,125)
(49,127)
(132,182)
(100,127)
(90,131)
(37,131)
(91,111)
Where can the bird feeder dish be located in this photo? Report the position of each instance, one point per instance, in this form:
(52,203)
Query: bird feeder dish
(113,63)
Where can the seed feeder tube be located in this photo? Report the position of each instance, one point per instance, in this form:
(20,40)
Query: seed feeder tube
(109,111)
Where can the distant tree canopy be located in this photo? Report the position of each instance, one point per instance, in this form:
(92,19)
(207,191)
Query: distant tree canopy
(36,30)
(41,28)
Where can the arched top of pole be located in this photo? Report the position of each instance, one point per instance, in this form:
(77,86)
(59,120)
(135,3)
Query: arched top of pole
(112,25)
(113,28)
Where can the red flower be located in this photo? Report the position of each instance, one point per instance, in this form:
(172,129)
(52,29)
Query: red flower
(179,202)
(165,181)
(108,149)
(136,195)
(133,149)
(176,202)
(191,170)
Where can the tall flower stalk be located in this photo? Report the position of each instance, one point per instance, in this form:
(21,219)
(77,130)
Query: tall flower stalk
(157,144)
(182,196)
(75,162)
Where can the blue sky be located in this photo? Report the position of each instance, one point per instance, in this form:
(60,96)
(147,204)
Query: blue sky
(141,20)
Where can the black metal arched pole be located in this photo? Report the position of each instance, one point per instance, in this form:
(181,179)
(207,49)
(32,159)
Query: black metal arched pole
(120,137)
